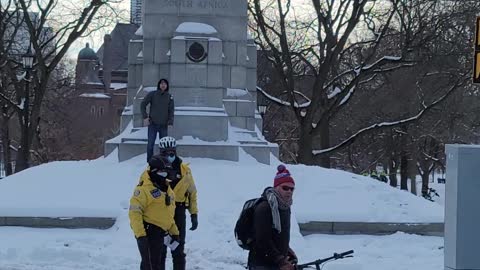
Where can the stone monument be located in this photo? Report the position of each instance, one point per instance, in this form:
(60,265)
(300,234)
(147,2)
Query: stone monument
(203,48)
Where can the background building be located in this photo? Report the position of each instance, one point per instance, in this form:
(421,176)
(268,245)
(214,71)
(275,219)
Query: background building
(100,91)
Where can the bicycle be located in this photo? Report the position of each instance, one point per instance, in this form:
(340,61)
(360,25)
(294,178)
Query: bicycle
(319,262)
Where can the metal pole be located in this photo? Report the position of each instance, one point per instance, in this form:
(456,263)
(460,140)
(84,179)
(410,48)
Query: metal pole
(26,125)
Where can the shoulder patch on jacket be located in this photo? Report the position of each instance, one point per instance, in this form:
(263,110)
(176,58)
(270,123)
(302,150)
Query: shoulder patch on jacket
(136,193)
(156,193)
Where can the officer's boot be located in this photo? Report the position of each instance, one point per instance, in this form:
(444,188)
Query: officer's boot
(179,261)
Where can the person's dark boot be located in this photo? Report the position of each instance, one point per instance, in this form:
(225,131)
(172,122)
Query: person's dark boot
(179,262)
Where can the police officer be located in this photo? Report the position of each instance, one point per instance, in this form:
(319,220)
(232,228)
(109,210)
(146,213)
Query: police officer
(185,191)
(152,208)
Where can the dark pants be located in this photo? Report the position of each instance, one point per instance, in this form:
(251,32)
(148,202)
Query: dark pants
(178,255)
(151,255)
(153,130)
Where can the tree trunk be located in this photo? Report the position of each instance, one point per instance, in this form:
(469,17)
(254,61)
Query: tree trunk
(324,141)
(392,172)
(305,146)
(23,152)
(425,182)
(6,154)
(29,123)
(412,169)
(413,186)
(404,171)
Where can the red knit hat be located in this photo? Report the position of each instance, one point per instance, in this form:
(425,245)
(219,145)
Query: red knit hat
(283,176)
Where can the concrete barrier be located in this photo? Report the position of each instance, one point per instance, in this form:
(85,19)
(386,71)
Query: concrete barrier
(313,227)
(60,222)
(370,228)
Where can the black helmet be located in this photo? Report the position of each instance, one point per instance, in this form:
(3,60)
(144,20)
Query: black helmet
(156,163)
(158,172)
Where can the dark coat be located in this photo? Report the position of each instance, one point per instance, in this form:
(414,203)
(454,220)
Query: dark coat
(270,247)
(161,107)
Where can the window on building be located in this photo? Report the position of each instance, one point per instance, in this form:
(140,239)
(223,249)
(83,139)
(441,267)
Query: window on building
(93,110)
(100,111)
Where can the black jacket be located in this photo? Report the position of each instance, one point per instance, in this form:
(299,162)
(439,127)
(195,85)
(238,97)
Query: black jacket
(270,247)
(161,107)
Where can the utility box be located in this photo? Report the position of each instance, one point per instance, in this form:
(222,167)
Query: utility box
(462,213)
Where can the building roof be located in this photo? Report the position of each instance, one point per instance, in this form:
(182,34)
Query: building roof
(87,53)
(121,35)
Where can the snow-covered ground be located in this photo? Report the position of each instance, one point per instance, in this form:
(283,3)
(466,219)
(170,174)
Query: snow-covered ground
(103,187)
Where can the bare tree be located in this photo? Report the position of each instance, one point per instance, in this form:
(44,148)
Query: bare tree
(51,30)
(324,47)
(10,85)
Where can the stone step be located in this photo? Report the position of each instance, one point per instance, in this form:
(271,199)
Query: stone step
(59,222)
(225,150)
(253,142)
(261,152)
(247,132)
(313,227)
(134,140)
(370,228)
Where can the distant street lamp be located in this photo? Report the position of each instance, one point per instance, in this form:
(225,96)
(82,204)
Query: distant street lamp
(27,60)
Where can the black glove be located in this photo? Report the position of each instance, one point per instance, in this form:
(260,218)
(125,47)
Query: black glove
(142,243)
(292,257)
(175,238)
(194,219)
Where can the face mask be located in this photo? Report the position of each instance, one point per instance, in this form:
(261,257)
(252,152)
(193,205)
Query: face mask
(171,159)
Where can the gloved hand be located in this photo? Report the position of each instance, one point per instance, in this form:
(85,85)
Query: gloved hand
(142,243)
(292,257)
(146,122)
(284,264)
(194,219)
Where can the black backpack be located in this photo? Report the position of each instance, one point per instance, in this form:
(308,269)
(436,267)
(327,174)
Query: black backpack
(244,229)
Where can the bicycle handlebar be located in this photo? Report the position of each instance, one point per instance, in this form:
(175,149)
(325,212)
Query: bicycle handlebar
(336,256)
(343,254)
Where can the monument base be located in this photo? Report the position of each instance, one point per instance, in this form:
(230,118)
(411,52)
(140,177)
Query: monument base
(133,142)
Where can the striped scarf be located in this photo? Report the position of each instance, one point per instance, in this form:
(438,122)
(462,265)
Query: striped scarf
(276,202)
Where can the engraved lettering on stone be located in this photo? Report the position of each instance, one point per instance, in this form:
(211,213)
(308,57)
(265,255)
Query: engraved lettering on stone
(207,4)
(178,3)
(213,4)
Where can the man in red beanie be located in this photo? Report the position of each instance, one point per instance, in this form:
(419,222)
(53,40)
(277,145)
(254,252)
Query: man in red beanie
(271,249)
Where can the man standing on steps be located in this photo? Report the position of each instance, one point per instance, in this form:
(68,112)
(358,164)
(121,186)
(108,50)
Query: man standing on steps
(160,115)
(185,197)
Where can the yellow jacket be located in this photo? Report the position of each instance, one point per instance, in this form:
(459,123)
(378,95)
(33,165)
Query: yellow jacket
(148,204)
(185,190)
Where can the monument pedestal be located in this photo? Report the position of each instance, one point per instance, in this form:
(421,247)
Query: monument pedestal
(203,49)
